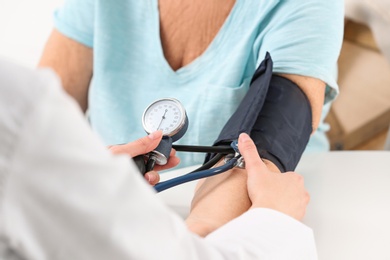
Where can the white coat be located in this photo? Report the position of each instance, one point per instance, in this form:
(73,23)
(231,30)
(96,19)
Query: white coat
(64,196)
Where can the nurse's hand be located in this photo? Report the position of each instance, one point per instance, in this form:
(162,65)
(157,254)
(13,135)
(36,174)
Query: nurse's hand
(266,189)
(145,145)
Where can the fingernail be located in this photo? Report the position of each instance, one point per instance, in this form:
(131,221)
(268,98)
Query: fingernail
(151,178)
(244,137)
(151,136)
(154,135)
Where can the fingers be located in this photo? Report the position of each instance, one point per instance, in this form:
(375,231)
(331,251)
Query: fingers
(249,151)
(285,193)
(140,146)
(152,177)
(172,162)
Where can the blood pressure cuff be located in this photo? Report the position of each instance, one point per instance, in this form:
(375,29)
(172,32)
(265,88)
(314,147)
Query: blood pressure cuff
(276,114)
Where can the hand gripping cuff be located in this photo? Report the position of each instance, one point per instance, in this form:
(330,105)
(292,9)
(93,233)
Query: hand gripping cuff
(276,114)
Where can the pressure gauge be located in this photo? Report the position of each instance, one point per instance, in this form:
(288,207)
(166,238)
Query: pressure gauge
(168,115)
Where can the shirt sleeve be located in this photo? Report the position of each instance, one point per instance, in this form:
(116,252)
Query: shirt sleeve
(268,234)
(66,197)
(75,19)
(305,38)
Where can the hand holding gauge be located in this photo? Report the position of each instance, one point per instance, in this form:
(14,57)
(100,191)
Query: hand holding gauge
(168,115)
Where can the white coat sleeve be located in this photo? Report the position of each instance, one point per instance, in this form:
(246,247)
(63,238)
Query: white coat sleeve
(64,196)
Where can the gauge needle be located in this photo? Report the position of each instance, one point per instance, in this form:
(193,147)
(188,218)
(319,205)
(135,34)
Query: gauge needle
(162,119)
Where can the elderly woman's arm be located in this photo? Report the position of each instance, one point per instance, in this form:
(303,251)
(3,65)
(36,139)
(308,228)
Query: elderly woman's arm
(223,197)
(73,62)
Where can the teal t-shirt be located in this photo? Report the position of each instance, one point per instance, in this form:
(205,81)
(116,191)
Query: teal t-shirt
(130,70)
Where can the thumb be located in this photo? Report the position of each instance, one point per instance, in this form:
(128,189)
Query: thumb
(140,146)
(248,150)
(144,144)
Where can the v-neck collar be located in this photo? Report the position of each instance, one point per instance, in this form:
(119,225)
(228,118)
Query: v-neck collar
(201,62)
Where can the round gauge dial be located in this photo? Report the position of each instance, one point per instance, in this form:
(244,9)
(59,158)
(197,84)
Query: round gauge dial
(167,115)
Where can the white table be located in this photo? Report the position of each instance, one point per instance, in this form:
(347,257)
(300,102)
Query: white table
(349,209)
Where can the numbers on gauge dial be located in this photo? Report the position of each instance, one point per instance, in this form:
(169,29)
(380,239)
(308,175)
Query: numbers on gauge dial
(163,115)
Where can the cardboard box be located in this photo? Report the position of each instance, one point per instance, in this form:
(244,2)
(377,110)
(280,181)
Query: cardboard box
(362,109)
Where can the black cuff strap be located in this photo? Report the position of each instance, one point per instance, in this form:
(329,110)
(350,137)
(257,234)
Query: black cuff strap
(276,114)
(284,125)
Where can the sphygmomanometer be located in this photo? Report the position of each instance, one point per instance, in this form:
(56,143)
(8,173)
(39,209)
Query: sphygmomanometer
(274,112)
